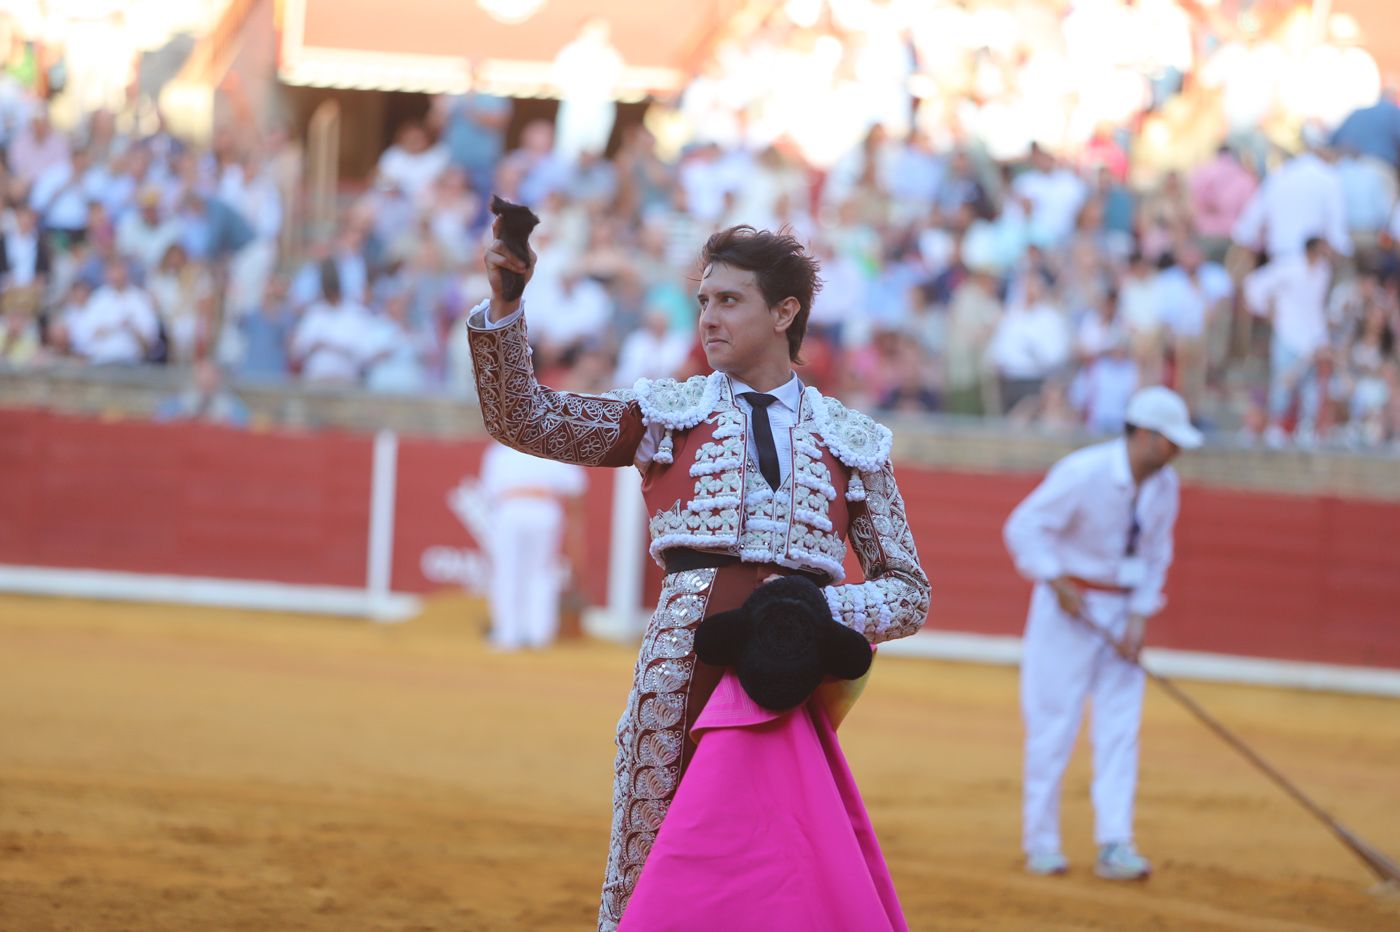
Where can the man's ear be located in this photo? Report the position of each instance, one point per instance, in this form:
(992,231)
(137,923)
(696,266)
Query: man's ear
(784,312)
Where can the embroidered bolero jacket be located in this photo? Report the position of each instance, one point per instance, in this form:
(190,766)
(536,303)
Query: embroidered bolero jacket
(704,491)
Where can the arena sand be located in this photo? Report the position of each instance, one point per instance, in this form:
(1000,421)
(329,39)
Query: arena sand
(170,768)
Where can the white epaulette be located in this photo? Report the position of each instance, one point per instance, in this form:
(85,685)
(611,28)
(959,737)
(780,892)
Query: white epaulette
(678,405)
(855,439)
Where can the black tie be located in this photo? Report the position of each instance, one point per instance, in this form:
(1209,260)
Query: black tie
(763,435)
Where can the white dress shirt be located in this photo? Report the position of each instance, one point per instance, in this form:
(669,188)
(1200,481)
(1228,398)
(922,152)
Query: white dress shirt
(22,256)
(1030,343)
(782,417)
(1300,200)
(1293,292)
(1078,519)
(334,341)
(102,330)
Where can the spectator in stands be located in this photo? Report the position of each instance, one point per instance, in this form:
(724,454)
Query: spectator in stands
(1372,136)
(118,325)
(1299,201)
(841,299)
(912,391)
(24,255)
(397,354)
(1165,218)
(960,187)
(1192,296)
(61,195)
(144,234)
(473,129)
(37,148)
(1362,383)
(267,334)
(206,399)
(1292,292)
(569,311)
(653,351)
(20,343)
(973,315)
(1220,189)
(922,230)
(453,215)
(183,295)
(1366,198)
(1055,195)
(211,230)
(1031,342)
(540,171)
(331,342)
(1118,207)
(412,162)
(1138,310)
(1107,374)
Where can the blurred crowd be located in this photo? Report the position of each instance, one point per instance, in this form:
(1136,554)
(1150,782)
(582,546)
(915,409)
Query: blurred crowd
(1042,287)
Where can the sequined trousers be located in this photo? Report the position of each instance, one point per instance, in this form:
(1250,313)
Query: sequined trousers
(669,688)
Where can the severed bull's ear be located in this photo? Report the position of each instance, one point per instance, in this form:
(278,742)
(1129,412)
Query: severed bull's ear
(516,224)
(846,654)
(720,638)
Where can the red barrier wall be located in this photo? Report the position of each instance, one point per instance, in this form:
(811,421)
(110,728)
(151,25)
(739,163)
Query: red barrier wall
(1290,577)
(185,500)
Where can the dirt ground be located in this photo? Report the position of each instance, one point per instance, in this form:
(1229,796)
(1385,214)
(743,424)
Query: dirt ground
(169,768)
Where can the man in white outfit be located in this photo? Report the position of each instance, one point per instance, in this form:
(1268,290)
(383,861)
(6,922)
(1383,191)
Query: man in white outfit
(527,495)
(1096,539)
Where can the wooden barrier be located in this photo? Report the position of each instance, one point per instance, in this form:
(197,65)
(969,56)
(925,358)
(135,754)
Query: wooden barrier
(1290,577)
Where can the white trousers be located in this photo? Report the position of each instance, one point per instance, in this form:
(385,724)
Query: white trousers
(1064,664)
(525,573)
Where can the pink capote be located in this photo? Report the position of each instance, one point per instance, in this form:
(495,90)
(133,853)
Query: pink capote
(767,832)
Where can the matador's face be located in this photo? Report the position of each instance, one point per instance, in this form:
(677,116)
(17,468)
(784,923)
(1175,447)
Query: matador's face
(737,327)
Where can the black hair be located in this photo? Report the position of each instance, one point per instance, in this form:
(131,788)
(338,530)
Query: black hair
(782,266)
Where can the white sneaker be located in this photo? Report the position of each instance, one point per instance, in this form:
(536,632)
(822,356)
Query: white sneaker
(1121,862)
(1046,863)
(1275,438)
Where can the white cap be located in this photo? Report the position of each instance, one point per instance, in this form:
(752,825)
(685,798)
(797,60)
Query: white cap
(1161,409)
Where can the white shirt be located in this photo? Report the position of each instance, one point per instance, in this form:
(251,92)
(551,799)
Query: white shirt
(505,470)
(1185,301)
(566,312)
(842,294)
(63,205)
(99,331)
(1302,199)
(1294,293)
(1030,343)
(1137,305)
(1056,198)
(22,255)
(413,172)
(782,417)
(334,340)
(146,244)
(644,355)
(1077,522)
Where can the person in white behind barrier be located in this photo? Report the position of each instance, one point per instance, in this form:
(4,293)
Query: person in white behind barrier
(527,494)
(1096,539)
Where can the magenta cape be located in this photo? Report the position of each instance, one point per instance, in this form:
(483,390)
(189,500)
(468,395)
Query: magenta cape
(767,832)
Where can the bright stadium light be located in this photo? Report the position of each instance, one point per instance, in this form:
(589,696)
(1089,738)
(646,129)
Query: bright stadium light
(511,12)
(803,13)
